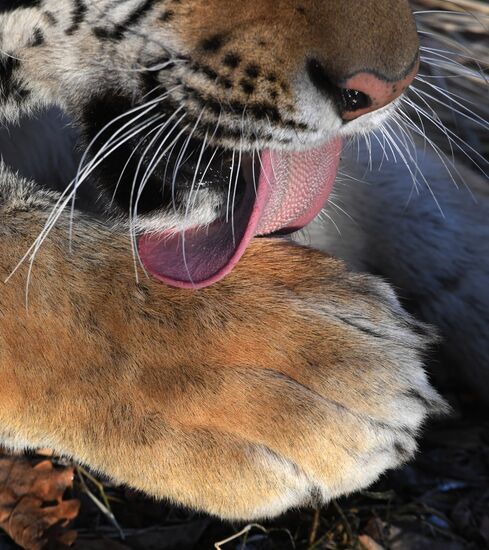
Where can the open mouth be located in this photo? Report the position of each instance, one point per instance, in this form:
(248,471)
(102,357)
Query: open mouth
(275,191)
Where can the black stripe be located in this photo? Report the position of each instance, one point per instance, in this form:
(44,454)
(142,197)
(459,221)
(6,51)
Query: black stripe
(138,14)
(38,38)
(118,32)
(8,65)
(78,16)
(50,18)
(12,5)
(9,85)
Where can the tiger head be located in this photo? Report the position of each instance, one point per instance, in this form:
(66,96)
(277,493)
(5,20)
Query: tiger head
(209,122)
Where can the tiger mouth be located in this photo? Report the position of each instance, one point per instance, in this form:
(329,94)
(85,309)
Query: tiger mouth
(272,191)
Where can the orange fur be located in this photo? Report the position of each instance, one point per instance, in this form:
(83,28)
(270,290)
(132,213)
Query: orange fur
(281,383)
(290,381)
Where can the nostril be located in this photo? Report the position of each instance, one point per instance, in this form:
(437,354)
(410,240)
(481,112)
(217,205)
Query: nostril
(362,91)
(345,99)
(352,100)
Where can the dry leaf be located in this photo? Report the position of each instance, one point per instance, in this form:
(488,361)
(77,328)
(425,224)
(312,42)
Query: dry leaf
(32,509)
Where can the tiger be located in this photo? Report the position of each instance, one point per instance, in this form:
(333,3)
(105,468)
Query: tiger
(181,343)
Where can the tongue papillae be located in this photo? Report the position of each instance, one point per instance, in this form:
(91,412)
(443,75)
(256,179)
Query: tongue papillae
(290,192)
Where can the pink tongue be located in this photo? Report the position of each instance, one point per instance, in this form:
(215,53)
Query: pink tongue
(291,191)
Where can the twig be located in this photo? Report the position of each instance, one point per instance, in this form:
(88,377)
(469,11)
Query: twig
(346,523)
(104,508)
(245,531)
(315,526)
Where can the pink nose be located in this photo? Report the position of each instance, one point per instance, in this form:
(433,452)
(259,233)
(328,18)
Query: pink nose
(366,92)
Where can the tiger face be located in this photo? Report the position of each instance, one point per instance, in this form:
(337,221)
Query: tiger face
(209,122)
